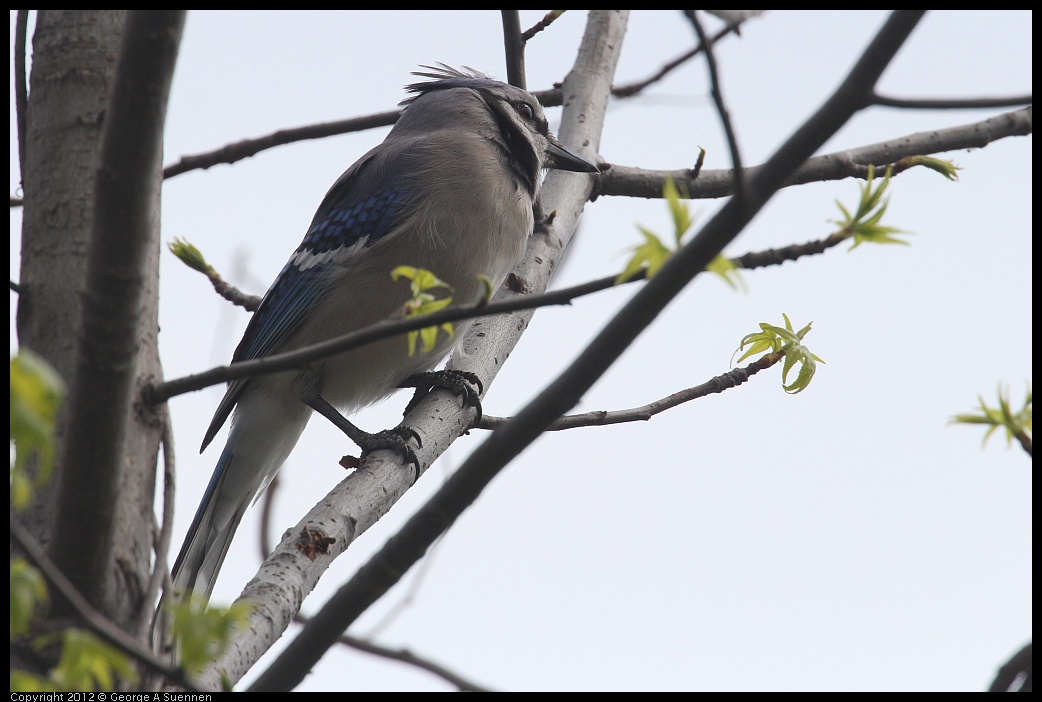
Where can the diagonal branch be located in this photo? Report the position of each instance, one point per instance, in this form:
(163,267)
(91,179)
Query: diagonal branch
(251,147)
(94,620)
(602,418)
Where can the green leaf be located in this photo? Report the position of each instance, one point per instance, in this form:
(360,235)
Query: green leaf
(863,226)
(28,594)
(771,339)
(488,290)
(424,302)
(678,210)
(36,395)
(189,255)
(86,663)
(1017,425)
(202,633)
(726,269)
(653,253)
(23,681)
(946,168)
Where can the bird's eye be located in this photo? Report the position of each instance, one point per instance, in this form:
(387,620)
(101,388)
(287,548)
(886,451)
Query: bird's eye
(526,110)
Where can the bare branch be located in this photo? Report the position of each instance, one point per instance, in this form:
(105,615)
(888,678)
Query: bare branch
(1015,674)
(950,103)
(718,99)
(246,148)
(406,656)
(853,163)
(250,147)
(542,24)
(599,418)
(514,48)
(355,642)
(92,618)
(160,571)
(302,356)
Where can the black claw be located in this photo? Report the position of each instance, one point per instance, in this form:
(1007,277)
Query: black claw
(396,440)
(462,383)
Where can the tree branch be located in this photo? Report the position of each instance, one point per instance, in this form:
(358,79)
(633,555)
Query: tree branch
(298,358)
(405,656)
(128,177)
(92,618)
(542,24)
(1015,674)
(718,100)
(950,103)
(514,48)
(251,147)
(600,418)
(631,89)
(628,181)
(160,571)
(246,148)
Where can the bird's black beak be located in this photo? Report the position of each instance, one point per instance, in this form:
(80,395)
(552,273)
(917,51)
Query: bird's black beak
(564,159)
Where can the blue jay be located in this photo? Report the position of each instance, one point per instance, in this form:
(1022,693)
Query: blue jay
(451,189)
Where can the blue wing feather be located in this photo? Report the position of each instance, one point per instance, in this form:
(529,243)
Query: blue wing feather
(346,222)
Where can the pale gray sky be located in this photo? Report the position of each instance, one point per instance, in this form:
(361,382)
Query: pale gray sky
(846,538)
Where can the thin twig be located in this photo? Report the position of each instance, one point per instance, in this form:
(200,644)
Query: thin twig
(776,257)
(230,153)
(381,330)
(162,543)
(406,656)
(542,24)
(950,103)
(721,107)
(250,147)
(599,418)
(92,618)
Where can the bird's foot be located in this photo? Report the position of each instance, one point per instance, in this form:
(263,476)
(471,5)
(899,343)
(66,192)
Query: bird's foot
(464,384)
(396,439)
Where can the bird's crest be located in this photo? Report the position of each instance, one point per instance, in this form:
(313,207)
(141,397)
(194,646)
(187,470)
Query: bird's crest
(445,77)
